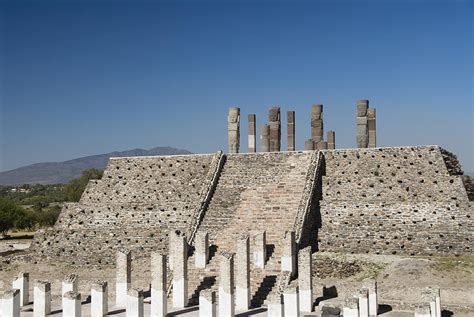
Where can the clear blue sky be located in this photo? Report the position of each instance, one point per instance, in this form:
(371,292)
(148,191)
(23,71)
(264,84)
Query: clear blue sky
(88,77)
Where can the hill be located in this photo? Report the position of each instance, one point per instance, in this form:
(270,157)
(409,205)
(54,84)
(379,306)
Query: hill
(63,172)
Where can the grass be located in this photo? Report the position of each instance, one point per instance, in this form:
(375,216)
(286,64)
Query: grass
(451,263)
(371,270)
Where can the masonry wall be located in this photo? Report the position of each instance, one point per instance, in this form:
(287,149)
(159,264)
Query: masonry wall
(256,192)
(394,201)
(134,205)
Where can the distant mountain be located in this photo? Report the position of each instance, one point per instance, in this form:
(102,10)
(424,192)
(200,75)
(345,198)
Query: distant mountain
(63,172)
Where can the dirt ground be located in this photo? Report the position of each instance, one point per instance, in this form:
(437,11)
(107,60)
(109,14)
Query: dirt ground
(336,276)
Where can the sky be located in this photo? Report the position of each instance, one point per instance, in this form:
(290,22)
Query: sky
(87,77)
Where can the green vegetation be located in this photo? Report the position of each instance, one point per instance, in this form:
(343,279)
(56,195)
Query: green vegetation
(450,263)
(35,206)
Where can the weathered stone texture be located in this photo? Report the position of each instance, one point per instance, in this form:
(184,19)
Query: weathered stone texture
(290,117)
(264,138)
(361,124)
(252,133)
(274,121)
(133,206)
(393,200)
(233,127)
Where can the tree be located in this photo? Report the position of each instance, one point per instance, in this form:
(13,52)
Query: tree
(9,214)
(75,187)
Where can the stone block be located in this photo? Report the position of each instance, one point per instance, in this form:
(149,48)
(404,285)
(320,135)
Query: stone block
(226,285)
(308,145)
(99,299)
(158,285)
(242,262)
(41,299)
(288,259)
(207,303)
(180,272)
(363,296)
(351,307)
(201,253)
(371,286)
(234,115)
(260,250)
(72,304)
(305,279)
(264,138)
(372,139)
(135,303)
(371,113)
(69,284)
(316,109)
(423,310)
(362,106)
(10,302)
(291,300)
(322,145)
(275,306)
(123,277)
(361,120)
(252,132)
(22,282)
(371,125)
(274,114)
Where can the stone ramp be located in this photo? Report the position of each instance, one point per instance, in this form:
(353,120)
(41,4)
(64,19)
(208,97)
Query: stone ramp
(406,201)
(133,206)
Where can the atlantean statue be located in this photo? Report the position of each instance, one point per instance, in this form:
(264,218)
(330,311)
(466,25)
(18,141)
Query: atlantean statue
(233,127)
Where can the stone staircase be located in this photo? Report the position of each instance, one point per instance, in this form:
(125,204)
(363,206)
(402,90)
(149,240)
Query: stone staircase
(255,192)
(262,281)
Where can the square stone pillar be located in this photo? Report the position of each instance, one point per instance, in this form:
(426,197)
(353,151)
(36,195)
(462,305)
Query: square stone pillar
(99,299)
(361,124)
(275,306)
(423,310)
(260,249)
(226,285)
(22,282)
(264,138)
(207,303)
(72,304)
(134,307)
(41,299)
(274,121)
(363,296)
(69,284)
(288,259)
(180,272)
(233,126)
(371,127)
(317,128)
(158,285)
(305,279)
(371,285)
(201,254)
(290,118)
(123,277)
(309,145)
(10,303)
(242,263)
(291,300)
(432,297)
(351,307)
(331,140)
(252,133)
